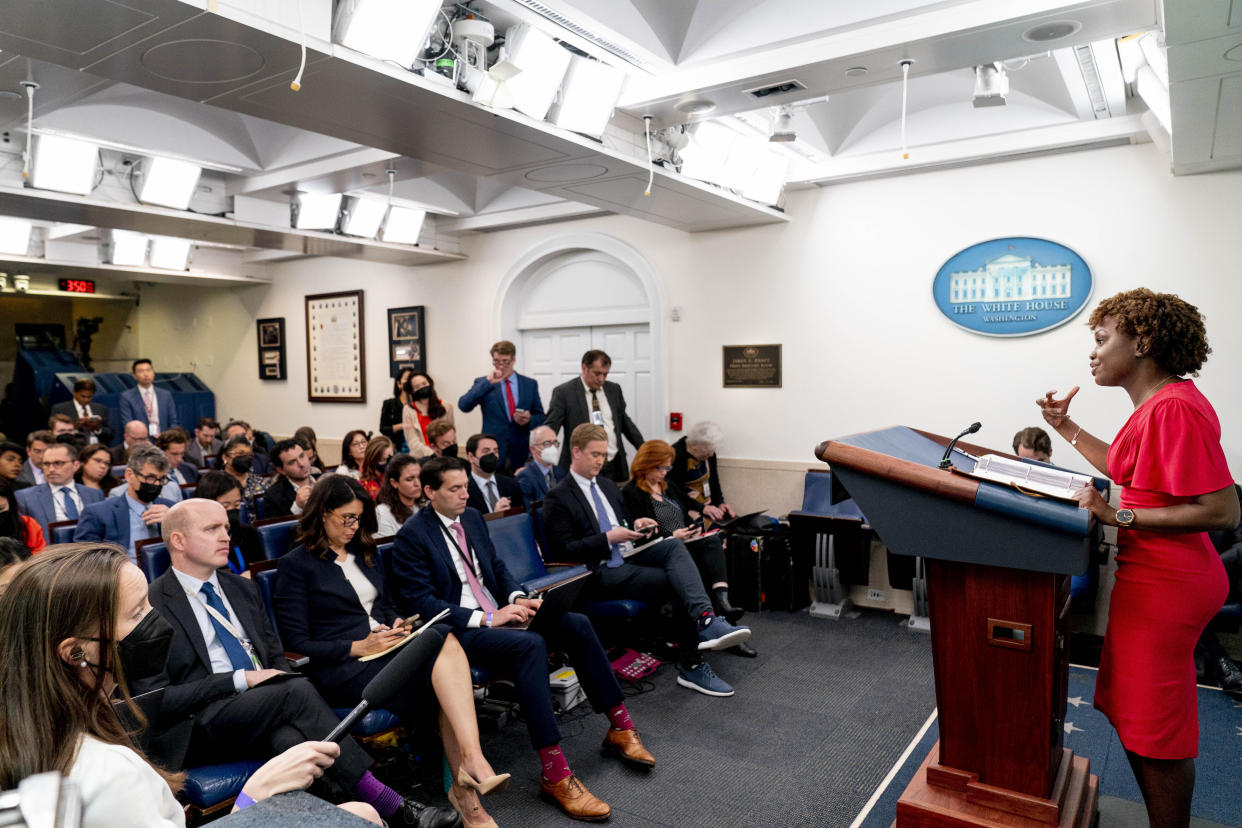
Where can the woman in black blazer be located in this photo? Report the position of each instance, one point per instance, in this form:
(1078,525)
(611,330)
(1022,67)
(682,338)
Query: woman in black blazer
(649,494)
(332,607)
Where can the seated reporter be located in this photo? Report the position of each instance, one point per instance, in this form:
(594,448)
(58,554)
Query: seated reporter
(95,468)
(331,606)
(400,495)
(696,470)
(137,512)
(444,558)
(229,692)
(374,460)
(237,461)
(649,494)
(75,630)
(22,529)
(587,523)
(244,540)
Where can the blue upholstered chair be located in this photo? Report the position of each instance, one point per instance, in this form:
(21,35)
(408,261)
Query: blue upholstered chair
(153,557)
(61,532)
(276,534)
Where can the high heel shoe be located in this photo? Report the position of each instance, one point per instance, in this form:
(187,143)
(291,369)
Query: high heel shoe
(457,806)
(492,784)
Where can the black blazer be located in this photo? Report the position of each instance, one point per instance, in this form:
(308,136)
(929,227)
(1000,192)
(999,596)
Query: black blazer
(505,487)
(390,415)
(568,409)
(189,685)
(573,525)
(422,576)
(641,504)
(70,409)
(278,499)
(319,613)
(681,472)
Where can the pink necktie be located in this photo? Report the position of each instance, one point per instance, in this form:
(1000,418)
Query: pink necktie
(476,588)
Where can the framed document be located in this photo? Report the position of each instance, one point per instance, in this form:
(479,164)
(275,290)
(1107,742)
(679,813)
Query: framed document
(407,337)
(271,348)
(336,363)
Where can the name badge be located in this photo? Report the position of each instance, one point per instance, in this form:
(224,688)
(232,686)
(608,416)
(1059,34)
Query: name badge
(597,418)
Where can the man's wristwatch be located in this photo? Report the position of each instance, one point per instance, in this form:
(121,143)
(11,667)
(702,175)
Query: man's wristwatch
(1125,518)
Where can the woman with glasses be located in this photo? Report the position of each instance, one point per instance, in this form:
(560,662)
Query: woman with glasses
(237,460)
(353,450)
(374,461)
(400,495)
(649,494)
(96,468)
(331,605)
(424,406)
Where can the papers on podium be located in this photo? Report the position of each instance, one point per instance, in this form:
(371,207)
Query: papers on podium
(1029,478)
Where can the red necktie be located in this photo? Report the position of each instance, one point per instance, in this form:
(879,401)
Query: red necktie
(509,398)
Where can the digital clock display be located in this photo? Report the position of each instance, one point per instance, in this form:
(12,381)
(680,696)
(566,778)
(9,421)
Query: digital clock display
(77,285)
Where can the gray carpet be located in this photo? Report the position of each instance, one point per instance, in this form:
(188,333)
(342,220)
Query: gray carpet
(816,723)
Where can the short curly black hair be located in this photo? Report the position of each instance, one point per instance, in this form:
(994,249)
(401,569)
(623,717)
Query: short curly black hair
(1169,329)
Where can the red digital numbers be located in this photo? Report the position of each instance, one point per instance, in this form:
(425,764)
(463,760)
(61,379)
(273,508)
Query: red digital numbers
(77,285)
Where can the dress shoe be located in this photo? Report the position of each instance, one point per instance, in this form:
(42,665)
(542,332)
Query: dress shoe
(744,650)
(480,819)
(492,784)
(720,600)
(627,745)
(574,799)
(414,814)
(1229,675)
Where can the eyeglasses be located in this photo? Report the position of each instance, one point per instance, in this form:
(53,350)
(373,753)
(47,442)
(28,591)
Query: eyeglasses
(56,464)
(665,469)
(150,478)
(348,521)
(546,443)
(359,443)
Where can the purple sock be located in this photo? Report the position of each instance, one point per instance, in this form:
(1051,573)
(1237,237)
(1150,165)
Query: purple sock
(375,793)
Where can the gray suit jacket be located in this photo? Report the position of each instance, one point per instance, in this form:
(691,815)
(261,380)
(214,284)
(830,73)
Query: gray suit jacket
(194,452)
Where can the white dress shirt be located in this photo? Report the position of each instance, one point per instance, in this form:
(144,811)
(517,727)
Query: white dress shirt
(220,661)
(467,597)
(118,787)
(84,413)
(585,485)
(483,483)
(606,410)
(59,500)
(152,404)
(363,588)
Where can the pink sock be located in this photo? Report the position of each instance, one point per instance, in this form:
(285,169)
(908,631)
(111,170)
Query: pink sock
(555,768)
(375,793)
(620,718)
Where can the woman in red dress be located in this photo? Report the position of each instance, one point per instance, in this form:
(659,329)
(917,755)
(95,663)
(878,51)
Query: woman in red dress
(1170,581)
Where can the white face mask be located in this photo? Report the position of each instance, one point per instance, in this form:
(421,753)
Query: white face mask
(550,455)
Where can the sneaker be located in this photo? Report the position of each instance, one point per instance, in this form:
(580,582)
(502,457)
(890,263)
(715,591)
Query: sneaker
(719,634)
(702,678)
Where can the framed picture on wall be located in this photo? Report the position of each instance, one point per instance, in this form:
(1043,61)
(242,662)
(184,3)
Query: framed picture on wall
(271,338)
(336,362)
(407,332)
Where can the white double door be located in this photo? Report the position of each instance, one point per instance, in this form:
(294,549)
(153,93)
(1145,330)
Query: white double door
(554,355)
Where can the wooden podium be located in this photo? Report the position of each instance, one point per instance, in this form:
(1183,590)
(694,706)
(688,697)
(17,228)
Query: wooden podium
(998,567)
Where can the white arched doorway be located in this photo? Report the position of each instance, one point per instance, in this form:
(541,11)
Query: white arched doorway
(589,290)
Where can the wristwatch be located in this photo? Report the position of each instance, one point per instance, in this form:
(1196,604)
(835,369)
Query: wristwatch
(1125,518)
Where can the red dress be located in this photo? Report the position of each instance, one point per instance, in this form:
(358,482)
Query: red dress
(1168,585)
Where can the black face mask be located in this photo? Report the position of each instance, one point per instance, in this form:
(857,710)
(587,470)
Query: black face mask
(424,393)
(451,451)
(489,462)
(383,464)
(148,492)
(234,518)
(242,465)
(144,651)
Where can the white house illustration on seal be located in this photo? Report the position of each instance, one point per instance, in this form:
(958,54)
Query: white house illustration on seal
(1010,277)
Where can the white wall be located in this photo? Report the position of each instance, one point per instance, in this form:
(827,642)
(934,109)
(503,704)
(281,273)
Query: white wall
(845,287)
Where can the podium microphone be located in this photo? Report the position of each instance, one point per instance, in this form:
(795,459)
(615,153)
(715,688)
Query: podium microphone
(382,689)
(945,462)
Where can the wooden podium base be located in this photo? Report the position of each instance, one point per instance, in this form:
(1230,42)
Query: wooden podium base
(943,797)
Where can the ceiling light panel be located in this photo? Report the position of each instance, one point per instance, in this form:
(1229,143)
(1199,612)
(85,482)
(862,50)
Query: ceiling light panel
(386,29)
(170,253)
(65,165)
(168,183)
(404,225)
(317,211)
(542,62)
(364,217)
(127,249)
(15,237)
(589,93)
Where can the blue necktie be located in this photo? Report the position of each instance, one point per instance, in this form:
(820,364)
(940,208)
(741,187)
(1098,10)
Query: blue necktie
(71,508)
(236,652)
(605,526)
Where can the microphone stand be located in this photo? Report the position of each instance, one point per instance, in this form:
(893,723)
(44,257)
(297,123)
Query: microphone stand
(945,462)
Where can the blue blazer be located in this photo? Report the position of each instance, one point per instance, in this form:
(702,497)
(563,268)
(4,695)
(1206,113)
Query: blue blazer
(36,501)
(320,616)
(421,574)
(108,520)
(513,439)
(533,482)
(133,409)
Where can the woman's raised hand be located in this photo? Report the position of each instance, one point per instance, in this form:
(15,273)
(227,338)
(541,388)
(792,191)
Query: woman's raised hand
(1056,411)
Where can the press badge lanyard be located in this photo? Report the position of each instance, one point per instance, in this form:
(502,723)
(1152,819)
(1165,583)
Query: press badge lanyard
(464,555)
(228,627)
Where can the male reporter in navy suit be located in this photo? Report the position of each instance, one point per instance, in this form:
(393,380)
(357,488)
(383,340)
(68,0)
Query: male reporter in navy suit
(489,490)
(59,498)
(511,405)
(591,398)
(154,407)
(136,514)
(85,412)
(541,471)
(444,558)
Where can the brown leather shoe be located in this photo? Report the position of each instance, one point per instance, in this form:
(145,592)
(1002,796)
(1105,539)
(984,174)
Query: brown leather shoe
(575,799)
(627,745)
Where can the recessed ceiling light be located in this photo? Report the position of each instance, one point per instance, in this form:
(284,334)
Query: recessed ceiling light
(856,71)
(696,106)
(1054,30)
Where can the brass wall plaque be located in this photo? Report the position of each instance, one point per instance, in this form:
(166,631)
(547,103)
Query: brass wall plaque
(752,366)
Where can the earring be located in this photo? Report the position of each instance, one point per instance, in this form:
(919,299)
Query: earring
(78,654)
